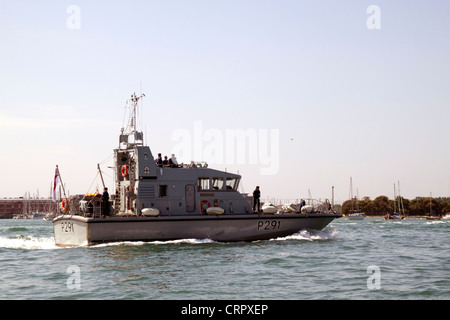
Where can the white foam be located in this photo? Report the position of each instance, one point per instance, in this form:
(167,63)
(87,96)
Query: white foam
(139,243)
(435,222)
(28,243)
(180,241)
(33,243)
(311,235)
(305,235)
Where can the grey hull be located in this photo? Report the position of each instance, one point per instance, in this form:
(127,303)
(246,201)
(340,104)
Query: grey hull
(77,230)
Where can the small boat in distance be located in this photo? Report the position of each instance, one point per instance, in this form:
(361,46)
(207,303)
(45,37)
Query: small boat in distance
(397,215)
(394,216)
(433,215)
(154,201)
(356,215)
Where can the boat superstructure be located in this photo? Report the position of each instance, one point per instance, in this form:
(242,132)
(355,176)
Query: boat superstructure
(155,200)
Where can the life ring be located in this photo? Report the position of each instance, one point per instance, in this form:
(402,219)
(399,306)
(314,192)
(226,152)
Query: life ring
(124,170)
(204,205)
(64,204)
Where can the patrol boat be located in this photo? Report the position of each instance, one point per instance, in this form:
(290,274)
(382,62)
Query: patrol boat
(168,202)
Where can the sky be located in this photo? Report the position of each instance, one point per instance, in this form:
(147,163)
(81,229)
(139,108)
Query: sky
(296,96)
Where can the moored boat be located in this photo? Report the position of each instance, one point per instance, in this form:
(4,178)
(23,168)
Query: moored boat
(433,215)
(394,216)
(356,215)
(436,217)
(400,214)
(157,201)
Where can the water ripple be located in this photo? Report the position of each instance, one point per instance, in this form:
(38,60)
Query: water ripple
(413,257)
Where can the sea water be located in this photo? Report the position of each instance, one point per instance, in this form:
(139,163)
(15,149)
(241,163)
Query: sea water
(368,259)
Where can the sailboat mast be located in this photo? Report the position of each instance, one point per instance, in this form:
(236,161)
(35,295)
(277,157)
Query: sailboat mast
(332,197)
(351,192)
(395,197)
(430,203)
(400,200)
(64,191)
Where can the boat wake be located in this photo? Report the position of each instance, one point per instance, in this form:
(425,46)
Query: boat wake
(28,243)
(311,235)
(436,222)
(140,243)
(303,235)
(34,243)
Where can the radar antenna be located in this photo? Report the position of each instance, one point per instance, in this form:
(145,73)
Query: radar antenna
(131,136)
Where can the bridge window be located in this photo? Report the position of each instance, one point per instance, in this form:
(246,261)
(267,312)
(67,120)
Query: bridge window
(203,184)
(217,183)
(232,183)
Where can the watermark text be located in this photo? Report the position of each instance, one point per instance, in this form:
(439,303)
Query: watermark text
(373,22)
(231,146)
(74,280)
(73,22)
(374,280)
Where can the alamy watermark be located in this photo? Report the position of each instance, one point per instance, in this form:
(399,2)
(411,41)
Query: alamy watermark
(374,280)
(73,22)
(373,22)
(74,280)
(230,146)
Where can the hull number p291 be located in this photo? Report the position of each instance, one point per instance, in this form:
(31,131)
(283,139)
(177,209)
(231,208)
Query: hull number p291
(67,226)
(269,225)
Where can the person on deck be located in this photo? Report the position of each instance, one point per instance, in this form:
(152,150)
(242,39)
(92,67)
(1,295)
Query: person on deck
(159,161)
(256,202)
(302,203)
(173,161)
(105,202)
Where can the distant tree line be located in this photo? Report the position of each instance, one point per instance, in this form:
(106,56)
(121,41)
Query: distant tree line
(382,205)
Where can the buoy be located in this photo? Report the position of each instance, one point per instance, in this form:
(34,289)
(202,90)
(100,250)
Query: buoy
(215,210)
(150,212)
(269,209)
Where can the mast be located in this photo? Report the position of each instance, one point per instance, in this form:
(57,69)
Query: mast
(332,198)
(61,184)
(353,200)
(125,159)
(101,176)
(400,204)
(395,197)
(131,129)
(430,203)
(351,193)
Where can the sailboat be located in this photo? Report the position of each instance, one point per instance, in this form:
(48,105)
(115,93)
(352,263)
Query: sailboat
(397,215)
(355,214)
(433,215)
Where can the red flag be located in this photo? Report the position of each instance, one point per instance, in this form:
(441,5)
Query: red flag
(55,183)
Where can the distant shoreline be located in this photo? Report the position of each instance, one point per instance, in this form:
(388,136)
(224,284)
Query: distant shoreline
(407,217)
